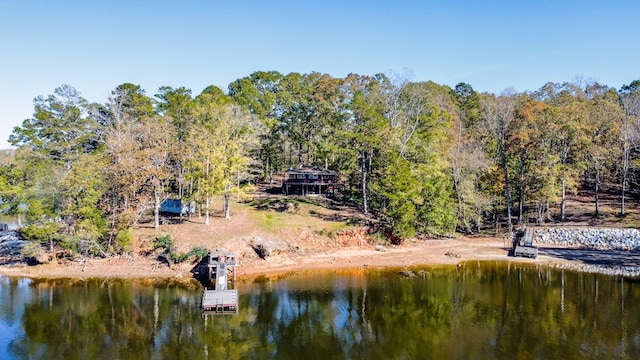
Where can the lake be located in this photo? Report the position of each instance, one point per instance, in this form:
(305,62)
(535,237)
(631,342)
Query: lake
(479,310)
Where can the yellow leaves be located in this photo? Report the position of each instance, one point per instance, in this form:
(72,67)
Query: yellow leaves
(531,110)
(222,145)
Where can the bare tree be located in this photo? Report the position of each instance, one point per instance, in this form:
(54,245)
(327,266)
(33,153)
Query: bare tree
(630,131)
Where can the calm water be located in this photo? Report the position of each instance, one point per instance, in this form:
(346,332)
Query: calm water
(477,311)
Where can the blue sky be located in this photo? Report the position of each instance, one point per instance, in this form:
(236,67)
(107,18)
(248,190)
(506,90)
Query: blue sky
(492,45)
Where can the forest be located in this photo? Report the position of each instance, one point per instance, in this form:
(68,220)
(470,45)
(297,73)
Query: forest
(419,158)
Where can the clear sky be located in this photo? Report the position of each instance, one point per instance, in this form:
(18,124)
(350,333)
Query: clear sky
(491,44)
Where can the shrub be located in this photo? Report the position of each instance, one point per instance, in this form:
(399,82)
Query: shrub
(45,233)
(124,239)
(199,252)
(178,258)
(378,238)
(32,249)
(163,242)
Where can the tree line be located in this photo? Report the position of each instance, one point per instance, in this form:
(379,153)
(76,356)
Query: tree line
(420,158)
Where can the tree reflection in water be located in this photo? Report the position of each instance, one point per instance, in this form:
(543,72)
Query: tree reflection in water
(478,310)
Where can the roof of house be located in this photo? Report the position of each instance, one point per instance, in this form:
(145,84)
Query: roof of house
(311,170)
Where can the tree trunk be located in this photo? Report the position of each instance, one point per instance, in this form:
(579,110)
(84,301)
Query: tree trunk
(190,187)
(460,213)
(207,202)
(363,169)
(225,206)
(507,192)
(539,211)
(112,233)
(563,199)
(156,209)
(290,155)
(625,170)
(521,193)
(455,175)
(596,186)
(180,187)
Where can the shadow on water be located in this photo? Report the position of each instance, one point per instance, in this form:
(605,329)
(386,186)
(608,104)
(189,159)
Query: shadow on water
(200,272)
(594,257)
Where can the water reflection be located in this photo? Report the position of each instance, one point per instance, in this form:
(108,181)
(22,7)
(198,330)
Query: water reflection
(479,310)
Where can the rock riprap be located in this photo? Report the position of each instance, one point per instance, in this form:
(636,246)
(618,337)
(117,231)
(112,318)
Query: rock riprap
(589,238)
(10,245)
(610,251)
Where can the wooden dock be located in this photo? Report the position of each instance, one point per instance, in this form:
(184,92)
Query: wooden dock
(220,301)
(527,249)
(220,296)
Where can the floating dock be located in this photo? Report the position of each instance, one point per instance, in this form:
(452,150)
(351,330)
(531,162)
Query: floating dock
(220,297)
(220,301)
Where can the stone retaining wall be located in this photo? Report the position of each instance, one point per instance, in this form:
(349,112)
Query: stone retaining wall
(589,238)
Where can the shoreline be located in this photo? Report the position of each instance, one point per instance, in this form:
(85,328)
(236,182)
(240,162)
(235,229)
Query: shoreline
(412,254)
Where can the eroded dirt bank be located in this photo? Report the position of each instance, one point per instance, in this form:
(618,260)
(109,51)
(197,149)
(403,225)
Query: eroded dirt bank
(427,252)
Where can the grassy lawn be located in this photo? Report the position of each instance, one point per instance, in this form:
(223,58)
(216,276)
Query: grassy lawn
(282,213)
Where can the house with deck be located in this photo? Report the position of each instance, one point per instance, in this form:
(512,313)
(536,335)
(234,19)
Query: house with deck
(310,181)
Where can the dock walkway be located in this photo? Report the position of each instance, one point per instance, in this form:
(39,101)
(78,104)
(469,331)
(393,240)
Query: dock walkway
(220,296)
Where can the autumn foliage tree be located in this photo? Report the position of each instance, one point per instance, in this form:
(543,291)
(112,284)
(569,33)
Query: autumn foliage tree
(416,158)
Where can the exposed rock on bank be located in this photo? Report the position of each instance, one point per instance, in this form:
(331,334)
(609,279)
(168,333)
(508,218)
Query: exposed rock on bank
(266,247)
(10,247)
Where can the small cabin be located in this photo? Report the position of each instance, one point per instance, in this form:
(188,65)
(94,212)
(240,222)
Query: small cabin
(310,181)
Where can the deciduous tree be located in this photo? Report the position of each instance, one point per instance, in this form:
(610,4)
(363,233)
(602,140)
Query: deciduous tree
(497,114)
(55,146)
